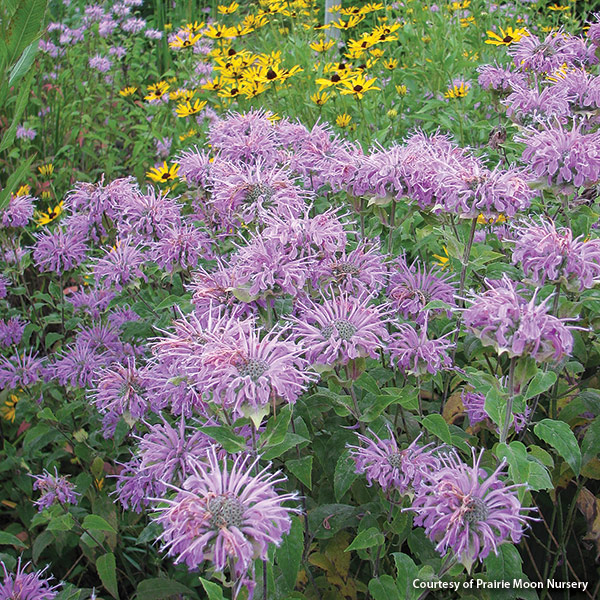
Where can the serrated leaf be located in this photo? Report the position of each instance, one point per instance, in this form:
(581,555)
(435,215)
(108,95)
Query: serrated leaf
(384,588)
(540,383)
(366,539)
(302,469)
(24,27)
(161,588)
(213,590)
(559,435)
(435,424)
(96,523)
(289,554)
(344,475)
(11,540)
(406,574)
(107,571)
(277,427)
(367,383)
(230,441)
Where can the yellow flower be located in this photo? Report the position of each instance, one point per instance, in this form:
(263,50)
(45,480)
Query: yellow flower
(228,9)
(185,109)
(443,261)
(217,32)
(9,410)
(194,27)
(402,90)
(188,134)
(390,63)
(506,37)
(128,91)
(47,217)
(99,483)
(335,79)
(164,173)
(466,21)
(392,113)
(322,45)
(182,94)
(358,86)
(23,190)
(557,7)
(46,170)
(156,91)
(460,5)
(353,21)
(273,117)
(230,92)
(458,90)
(483,220)
(168,26)
(377,52)
(319,98)
(185,42)
(214,85)
(343,120)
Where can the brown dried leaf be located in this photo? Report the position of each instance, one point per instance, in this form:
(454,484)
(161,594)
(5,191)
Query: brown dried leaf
(589,506)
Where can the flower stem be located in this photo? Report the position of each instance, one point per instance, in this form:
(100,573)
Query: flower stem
(509,402)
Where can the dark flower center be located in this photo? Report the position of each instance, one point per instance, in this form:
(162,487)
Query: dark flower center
(476,510)
(271,74)
(253,368)
(225,511)
(344,268)
(344,328)
(508,39)
(395,460)
(358,88)
(256,191)
(335,78)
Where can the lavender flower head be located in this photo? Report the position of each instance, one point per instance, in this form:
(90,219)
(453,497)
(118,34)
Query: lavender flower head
(465,510)
(11,331)
(165,456)
(4,285)
(26,586)
(341,328)
(120,266)
(225,515)
(59,251)
(413,352)
(502,318)
(54,488)
(18,212)
(550,254)
(414,286)
(20,370)
(381,460)
(563,157)
(100,63)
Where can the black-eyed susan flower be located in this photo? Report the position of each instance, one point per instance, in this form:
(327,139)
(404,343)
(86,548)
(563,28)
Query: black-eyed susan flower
(43,218)
(358,86)
(194,27)
(319,98)
(352,22)
(164,173)
(23,190)
(188,134)
(9,408)
(217,32)
(185,109)
(505,37)
(458,89)
(128,91)
(186,41)
(390,64)
(343,120)
(444,259)
(322,45)
(559,8)
(156,91)
(402,90)
(46,170)
(228,9)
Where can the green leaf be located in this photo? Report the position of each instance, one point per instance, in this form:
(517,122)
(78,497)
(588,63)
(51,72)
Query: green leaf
(289,554)
(24,27)
(384,588)
(590,447)
(107,571)
(366,539)
(407,573)
(290,441)
(15,178)
(505,565)
(230,441)
(367,383)
(435,424)
(344,475)
(302,469)
(24,63)
(41,542)
(10,540)
(277,427)
(161,588)
(62,523)
(96,523)
(559,435)
(540,383)
(376,406)
(495,406)
(214,591)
